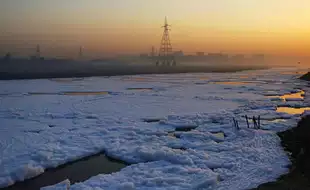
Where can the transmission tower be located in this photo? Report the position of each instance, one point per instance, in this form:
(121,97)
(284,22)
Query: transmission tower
(165,56)
(81,53)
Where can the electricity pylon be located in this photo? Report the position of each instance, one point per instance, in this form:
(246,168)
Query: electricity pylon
(165,56)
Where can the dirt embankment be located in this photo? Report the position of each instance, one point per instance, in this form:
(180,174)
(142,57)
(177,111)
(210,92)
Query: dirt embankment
(306,76)
(296,142)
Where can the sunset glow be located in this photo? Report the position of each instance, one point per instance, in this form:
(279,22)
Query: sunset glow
(133,26)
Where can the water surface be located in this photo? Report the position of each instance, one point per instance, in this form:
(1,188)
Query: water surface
(77,171)
(291,110)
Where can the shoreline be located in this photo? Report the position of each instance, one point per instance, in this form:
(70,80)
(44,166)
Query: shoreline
(46,71)
(306,76)
(296,142)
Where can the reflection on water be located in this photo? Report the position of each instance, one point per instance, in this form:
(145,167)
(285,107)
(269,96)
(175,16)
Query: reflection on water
(137,79)
(74,93)
(232,83)
(285,97)
(278,120)
(140,89)
(291,110)
(243,77)
(85,93)
(77,171)
(219,135)
(299,95)
(294,73)
(42,93)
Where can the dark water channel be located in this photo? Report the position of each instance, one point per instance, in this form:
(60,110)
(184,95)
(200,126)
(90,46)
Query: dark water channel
(77,171)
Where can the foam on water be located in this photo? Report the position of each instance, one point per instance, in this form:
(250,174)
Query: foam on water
(39,132)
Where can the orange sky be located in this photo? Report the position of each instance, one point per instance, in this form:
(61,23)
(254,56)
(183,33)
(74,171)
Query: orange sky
(133,26)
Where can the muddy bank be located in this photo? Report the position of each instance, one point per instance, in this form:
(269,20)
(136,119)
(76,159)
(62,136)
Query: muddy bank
(306,76)
(296,142)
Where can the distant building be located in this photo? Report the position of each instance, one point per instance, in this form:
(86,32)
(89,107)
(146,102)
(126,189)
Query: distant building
(239,56)
(258,58)
(35,58)
(144,55)
(215,55)
(178,53)
(200,53)
(153,52)
(238,59)
(258,55)
(218,57)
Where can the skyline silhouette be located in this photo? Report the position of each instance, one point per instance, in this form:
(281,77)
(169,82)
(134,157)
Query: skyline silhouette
(108,28)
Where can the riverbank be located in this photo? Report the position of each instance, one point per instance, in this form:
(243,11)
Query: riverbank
(296,142)
(69,70)
(306,76)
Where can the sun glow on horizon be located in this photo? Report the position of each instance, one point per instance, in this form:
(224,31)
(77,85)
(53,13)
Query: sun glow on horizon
(273,27)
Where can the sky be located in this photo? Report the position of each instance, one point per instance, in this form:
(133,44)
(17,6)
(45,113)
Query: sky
(106,27)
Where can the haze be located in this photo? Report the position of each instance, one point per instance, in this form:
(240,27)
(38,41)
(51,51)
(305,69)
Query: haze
(105,27)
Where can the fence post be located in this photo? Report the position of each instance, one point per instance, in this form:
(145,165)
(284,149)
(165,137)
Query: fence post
(236,124)
(247,121)
(254,122)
